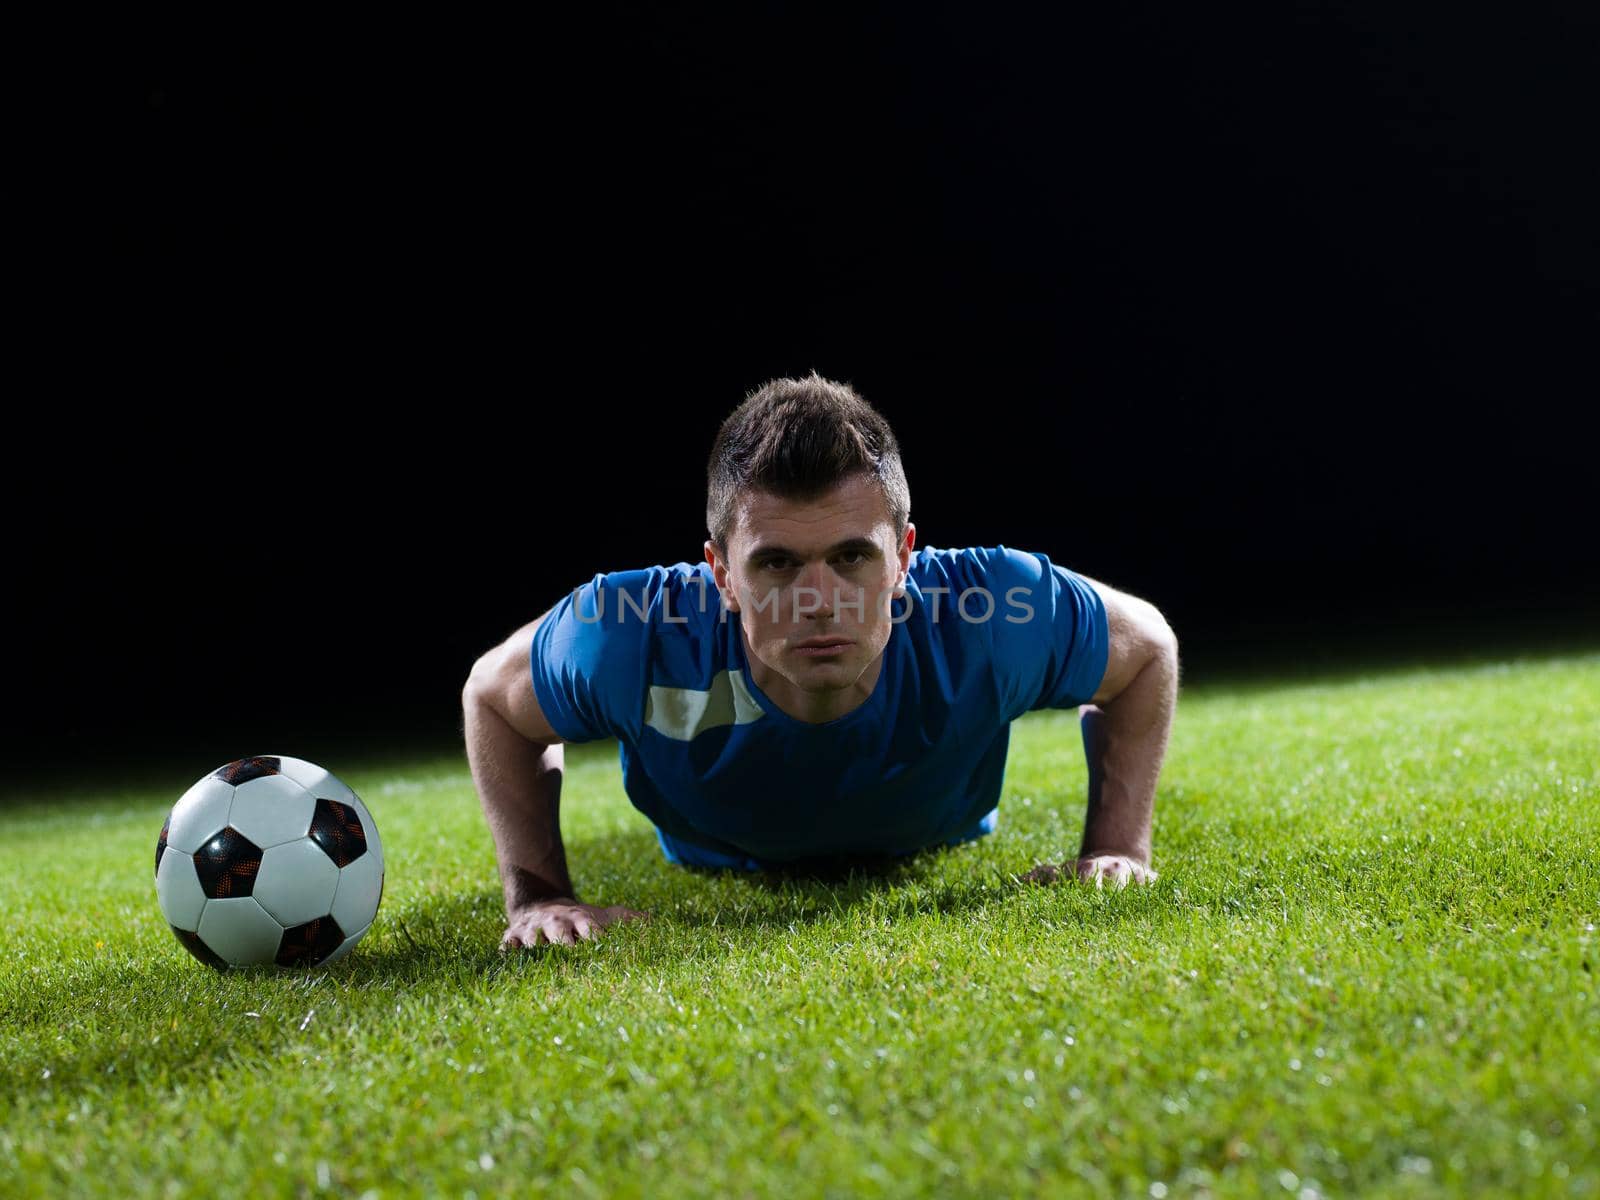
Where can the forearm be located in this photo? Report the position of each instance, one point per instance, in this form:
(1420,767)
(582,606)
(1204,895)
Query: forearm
(1124,742)
(519,786)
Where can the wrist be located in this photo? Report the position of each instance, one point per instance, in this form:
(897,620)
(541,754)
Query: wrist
(539,902)
(524,890)
(1143,859)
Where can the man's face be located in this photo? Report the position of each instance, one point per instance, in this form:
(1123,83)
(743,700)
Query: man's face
(818,571)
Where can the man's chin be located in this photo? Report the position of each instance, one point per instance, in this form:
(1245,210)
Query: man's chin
(825,674)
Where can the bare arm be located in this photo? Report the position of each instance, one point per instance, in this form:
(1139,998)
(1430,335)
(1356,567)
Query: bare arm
(1125,732)
(1126,728)
(517,763)
(518,778)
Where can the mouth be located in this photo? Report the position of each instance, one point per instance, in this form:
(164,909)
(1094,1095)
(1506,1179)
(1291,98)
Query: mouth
(823,647)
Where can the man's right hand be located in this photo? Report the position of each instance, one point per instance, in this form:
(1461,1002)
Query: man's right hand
(563,921)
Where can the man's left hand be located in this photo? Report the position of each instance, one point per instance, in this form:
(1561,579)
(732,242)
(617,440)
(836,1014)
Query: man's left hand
(1118,868)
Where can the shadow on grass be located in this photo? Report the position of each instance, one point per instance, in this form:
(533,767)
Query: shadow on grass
(167,1019)
(804,892)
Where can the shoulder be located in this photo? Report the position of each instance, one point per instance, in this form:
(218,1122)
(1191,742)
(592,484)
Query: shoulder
(1043,625)
(976,566)
(665,624)
(604,643)
(676,595)
(975,583)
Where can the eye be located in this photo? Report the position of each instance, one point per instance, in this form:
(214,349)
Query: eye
(853,558)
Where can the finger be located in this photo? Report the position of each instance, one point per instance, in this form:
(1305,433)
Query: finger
(586,928)
(510,942)
(561,933)
(1138,872)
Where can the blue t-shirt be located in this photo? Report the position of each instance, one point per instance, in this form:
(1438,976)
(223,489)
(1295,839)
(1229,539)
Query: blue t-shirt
(653,658)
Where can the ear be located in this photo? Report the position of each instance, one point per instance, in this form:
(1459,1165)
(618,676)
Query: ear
(906,546)
(719,575)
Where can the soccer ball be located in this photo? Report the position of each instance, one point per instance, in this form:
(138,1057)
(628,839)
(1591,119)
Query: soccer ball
(269,860)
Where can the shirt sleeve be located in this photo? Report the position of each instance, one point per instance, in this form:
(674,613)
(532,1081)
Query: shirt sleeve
(590,657)
(1050,635)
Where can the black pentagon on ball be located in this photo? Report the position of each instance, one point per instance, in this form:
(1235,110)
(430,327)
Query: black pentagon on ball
(243,770)
(192,943)
(307,945)
(337,829)
(161,842)
(227,865)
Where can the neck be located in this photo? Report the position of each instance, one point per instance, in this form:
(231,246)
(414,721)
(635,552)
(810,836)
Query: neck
(814,708)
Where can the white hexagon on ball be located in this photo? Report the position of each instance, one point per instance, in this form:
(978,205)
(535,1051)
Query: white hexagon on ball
(200,812)
(319,781)
(360,890)
(325,785)
(271,809)
(178,890)
(239,931)
(296,883)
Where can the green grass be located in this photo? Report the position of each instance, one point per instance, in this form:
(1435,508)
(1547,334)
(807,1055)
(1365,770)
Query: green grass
(1368,968)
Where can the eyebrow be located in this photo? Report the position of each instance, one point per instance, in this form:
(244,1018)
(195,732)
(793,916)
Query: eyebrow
(863,544)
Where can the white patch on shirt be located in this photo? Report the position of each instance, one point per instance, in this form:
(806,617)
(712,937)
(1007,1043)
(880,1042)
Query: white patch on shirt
(683,714)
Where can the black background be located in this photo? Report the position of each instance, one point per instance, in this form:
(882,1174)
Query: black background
(352,352)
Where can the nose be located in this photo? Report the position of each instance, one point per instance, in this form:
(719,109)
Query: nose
(818,578)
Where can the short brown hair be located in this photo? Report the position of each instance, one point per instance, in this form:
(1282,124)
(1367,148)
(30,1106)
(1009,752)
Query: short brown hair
(798,439)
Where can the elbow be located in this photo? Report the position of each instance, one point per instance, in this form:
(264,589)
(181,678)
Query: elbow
(1166,640)
(1151,631)
(1164,647)
(1166,653)
(476,685)
(1153,635)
